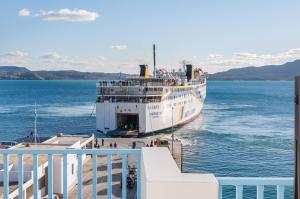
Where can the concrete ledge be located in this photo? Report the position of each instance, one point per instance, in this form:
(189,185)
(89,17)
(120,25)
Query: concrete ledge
(161,178)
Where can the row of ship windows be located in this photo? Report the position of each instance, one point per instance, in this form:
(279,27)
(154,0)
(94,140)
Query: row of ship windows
(179,96)
(180,103)
(108,90)
(153,107)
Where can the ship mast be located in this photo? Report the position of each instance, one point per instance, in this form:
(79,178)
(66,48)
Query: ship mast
(154,62)
(34,129)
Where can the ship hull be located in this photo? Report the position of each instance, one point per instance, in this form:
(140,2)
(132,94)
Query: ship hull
(136,119)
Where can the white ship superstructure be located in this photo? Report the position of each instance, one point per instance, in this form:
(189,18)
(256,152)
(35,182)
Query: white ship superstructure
(143,104)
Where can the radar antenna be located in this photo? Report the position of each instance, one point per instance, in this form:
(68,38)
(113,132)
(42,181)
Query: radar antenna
(154,61)
(35,135)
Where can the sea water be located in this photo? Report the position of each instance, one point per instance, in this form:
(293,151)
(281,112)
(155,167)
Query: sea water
(245,129)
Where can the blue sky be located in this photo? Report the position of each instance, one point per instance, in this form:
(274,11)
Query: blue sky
(117,35)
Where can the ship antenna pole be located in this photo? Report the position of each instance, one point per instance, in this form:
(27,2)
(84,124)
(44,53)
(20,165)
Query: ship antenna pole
(34,130)
(172,132)
(154,62)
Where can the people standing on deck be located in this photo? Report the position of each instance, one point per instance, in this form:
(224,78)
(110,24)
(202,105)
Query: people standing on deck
(96,145)
(96,141)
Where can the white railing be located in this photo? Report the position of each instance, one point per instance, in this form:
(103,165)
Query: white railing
(20,170)
(258,182)
(80,153)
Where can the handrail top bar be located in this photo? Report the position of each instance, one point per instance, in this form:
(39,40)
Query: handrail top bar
(70,151)
(254,181)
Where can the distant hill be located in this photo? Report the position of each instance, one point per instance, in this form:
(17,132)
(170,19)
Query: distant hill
(21,73)
(14,72)
(285,71)
(76,75)
(13,69)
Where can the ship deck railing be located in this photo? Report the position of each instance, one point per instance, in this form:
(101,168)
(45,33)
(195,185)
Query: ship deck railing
(280,183)
(137,93)
(105,84)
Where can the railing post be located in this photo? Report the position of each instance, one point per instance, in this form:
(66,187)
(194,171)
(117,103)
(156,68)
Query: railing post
(6,176)
(124,176)
(95,176)
(35,176)
(260,191)
(50,176)
(297,138)
(239,191)
(109,177)
(79,176)
(139,175)
(220,191)
(280,192)
(65,176)
(20,175)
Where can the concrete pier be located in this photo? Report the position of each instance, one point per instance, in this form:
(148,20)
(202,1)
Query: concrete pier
(126,143)
(122,143)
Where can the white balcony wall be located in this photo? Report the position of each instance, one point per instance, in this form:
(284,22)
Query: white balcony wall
(161,178)
(58,172)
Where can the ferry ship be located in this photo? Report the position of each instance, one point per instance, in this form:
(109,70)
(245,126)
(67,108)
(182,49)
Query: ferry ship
(145,104)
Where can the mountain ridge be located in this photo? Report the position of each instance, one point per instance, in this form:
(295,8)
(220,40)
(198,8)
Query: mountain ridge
(22,73)
(285,71)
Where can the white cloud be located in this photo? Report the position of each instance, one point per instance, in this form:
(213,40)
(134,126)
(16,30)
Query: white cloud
(14,54)
(66,14)
(51,56)
(215,56)
(56,61)
(119,47)
(102,58)
(24,12)
(216,64)
(18,58)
